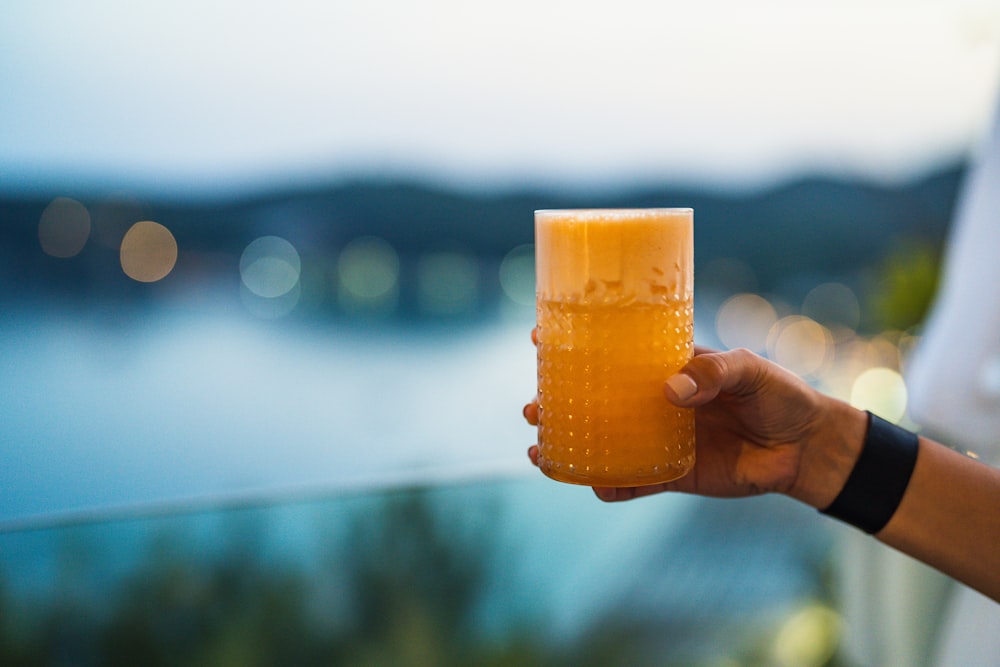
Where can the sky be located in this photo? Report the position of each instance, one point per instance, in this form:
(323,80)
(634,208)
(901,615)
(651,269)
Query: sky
(208,96)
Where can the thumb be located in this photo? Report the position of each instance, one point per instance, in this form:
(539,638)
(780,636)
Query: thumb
(709,373)
(680,388)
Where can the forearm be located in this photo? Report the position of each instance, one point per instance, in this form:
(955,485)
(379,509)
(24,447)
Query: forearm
(949,517)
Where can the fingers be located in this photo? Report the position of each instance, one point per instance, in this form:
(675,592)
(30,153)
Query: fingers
(612,494)
(709,373)
(533,454)
(619,494)
(683,386)
(530,412)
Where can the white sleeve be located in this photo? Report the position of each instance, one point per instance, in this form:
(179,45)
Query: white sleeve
(954,375)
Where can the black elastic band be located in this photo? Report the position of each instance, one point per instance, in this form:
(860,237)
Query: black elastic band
(878,481)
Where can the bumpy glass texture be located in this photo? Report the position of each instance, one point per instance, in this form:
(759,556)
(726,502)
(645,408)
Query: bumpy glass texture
(603,417)
(615,320)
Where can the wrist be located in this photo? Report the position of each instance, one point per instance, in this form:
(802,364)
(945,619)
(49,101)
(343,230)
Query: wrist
(829,453)
(876,485)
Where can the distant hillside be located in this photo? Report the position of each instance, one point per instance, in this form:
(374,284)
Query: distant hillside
(812,226)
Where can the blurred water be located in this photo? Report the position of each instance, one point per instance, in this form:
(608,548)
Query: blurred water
(113,433)
(214,408)
(181,413)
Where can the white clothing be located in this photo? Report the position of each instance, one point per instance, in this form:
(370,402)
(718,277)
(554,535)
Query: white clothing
(954,377)
(954,380)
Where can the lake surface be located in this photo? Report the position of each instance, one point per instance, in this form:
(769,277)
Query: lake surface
(115,432)
(208,409)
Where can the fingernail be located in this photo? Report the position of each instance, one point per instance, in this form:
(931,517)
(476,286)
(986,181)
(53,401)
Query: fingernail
(683,385)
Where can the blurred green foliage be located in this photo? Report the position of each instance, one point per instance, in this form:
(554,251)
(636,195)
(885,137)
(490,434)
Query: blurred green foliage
(403,588)
(403,585)
(904,283)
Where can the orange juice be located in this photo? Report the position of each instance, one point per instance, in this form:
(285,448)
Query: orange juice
(615,320)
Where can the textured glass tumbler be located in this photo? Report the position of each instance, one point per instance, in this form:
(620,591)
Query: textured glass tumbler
(615,318)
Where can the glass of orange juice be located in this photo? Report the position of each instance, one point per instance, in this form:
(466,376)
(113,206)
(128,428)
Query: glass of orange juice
(615,318)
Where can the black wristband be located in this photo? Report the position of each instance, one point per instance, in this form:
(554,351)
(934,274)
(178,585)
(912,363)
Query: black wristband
(878,481)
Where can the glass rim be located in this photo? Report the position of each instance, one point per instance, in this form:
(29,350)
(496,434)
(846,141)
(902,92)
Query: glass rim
(612,212)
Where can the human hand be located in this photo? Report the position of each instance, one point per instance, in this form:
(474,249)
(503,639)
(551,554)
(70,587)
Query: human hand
(758,429)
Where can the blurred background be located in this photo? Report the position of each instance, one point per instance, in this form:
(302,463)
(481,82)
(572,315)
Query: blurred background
(266,285)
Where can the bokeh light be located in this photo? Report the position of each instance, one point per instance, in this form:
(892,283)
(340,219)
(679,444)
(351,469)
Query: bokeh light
(744,320)
(517,275)
(809,638)
(270,308)
(64,227)
(881,390)
(368,275)
(857,354)
(866,353)
(800,344)
(447,283)
(270,267)
(148,252)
